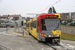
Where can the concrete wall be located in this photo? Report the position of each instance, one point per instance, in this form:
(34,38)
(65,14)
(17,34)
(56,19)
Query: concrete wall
(68,29)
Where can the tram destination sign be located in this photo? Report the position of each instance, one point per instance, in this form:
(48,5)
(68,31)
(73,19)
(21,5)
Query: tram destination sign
(52,16)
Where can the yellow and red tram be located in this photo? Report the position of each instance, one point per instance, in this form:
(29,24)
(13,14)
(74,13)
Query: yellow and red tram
(45,27)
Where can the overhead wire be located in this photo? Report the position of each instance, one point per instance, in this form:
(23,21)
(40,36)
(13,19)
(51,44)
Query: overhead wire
(55,2)
(47,6)
(50,5)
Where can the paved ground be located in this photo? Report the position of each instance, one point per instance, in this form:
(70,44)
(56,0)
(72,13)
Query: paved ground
(21,43)
(27,42)
(2,29)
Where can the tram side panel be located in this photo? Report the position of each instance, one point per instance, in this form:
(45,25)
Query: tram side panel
(32,27)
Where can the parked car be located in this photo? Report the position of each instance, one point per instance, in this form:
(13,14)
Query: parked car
(64,22)
(73,22)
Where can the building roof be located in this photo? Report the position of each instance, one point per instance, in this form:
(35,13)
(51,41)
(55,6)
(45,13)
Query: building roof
(17,15)
(11,15)
(5,15)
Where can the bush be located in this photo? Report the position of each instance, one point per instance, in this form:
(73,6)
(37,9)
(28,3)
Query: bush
(63,23)
(70,20)
(72,24)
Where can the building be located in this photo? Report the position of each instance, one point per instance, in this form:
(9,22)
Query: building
(10,17)
(23,18)
(64,16)
(73,14)
(17,17)
(14,17)
(28,18)
(4,17)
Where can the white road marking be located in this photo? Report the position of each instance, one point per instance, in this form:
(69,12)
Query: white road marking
(58,47)
(61,43)
(67,46)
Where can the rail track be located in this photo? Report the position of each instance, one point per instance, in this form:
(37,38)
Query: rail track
(54,48)
(51,46)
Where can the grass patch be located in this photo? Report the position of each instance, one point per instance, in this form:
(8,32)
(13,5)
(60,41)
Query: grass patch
(67,36)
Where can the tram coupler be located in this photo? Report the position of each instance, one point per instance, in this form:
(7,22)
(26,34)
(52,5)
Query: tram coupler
(55,41)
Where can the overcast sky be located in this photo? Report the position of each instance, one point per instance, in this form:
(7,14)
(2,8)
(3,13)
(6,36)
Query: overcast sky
(34,6)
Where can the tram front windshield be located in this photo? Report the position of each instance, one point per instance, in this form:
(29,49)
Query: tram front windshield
(50,24)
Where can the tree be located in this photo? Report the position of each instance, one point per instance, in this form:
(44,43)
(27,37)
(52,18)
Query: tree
(50,10)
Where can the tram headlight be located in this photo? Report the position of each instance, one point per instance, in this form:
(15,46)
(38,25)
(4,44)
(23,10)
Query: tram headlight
(49,35)
(58,35)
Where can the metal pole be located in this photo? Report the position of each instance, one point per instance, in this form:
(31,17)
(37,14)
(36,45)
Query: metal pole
(23,28)
(18,28)
(70,15)
(15,27)
(6,26)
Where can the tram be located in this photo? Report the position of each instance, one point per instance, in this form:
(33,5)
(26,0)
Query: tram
(45,27)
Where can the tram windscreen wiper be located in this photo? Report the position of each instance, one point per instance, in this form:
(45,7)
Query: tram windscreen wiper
(56,27)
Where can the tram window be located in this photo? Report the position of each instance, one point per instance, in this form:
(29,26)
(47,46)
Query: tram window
(27,25)
(50,24)
(37,23)
(34,24)
(30,24)
(43,26)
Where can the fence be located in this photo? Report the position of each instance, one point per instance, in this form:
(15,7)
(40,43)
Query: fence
(68,29)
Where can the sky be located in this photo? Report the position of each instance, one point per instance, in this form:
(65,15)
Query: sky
(24,7)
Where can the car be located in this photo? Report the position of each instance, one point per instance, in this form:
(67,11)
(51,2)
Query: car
(73,22)
(64,22)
